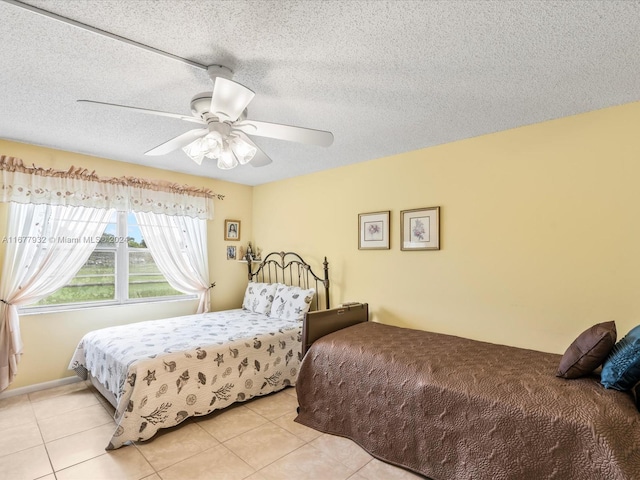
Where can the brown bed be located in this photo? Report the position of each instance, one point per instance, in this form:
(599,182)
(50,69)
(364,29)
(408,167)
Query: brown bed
(452,408)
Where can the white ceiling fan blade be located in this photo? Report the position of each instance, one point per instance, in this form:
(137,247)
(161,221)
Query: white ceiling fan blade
(229,99)
(151,112)
(285,132)
(178,142)
(260,159)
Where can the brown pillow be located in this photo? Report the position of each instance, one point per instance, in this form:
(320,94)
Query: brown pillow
(588,351)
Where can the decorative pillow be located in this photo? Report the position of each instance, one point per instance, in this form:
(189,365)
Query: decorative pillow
(291,303)
(259,296)
(621,370)
(588,351)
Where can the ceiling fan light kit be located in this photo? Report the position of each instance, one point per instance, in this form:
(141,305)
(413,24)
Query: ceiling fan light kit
(227,148)
(226,136)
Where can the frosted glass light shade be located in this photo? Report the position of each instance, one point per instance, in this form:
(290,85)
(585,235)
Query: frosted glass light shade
(227,160)
(228,150)
(243,151)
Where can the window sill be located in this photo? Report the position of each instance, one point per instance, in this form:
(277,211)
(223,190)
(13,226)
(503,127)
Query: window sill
(47,309)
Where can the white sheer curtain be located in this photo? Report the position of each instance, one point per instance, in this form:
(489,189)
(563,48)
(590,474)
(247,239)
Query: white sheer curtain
(178,245)
(46,246)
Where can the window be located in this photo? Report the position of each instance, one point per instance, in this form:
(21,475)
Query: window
(120,270)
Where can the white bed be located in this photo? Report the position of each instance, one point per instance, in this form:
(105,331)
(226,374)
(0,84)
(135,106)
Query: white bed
(158,373)
(163,371)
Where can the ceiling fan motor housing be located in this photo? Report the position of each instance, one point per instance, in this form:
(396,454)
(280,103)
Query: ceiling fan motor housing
(201,103)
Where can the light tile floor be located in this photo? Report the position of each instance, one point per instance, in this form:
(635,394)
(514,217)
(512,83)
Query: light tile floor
(61,433)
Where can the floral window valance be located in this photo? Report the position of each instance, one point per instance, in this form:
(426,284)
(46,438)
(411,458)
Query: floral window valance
(80,187)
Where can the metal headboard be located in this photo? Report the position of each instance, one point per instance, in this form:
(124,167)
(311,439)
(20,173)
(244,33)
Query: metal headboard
(289,268)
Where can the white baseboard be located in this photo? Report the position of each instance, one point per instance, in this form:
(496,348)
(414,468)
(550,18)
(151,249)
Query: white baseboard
(39,386)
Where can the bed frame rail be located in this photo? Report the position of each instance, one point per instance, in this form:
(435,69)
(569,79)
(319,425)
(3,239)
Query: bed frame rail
(323,322)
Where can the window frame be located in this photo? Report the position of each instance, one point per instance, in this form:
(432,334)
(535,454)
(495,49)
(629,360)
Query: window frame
(121,280)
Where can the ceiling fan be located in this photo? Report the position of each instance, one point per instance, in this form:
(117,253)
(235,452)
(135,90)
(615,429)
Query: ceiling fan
(225,131)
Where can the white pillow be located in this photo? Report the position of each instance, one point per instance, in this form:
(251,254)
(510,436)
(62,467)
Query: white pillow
(259,296)
(291,303)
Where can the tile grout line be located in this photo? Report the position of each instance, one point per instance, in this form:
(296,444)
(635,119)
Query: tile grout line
(268,421)
(220,443)
(44,443)
(280,458)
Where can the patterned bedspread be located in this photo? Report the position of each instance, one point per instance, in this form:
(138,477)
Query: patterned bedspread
(454,408)
(164,371)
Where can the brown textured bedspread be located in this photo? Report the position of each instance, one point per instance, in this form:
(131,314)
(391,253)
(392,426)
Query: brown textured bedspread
(452,408)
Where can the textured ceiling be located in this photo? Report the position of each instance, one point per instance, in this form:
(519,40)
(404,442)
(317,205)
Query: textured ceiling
(384,76)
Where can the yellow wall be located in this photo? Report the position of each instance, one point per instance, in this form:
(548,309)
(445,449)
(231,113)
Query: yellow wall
(539,237)
(49,339)
(540,231)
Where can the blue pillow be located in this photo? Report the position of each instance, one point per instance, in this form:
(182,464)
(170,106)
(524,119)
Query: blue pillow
(621,369)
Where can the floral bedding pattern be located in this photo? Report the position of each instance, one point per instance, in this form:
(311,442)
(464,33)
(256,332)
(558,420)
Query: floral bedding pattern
(291,302)
(164,371)
(259,296)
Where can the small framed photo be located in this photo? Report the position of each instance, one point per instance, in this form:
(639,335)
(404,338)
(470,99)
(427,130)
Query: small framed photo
(420,229)
(232,230)
(231,253)
(373,231)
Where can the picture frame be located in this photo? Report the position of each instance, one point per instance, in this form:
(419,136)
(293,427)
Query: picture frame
(231,252)
(232,230)
(420,229)
(373,230)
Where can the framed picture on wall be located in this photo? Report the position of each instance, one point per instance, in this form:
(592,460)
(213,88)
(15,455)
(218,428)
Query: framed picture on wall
(231,253)
(420,229)
(373,231)
(232,230)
